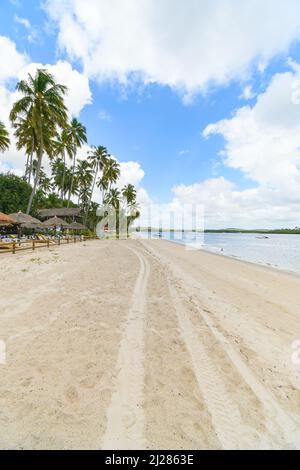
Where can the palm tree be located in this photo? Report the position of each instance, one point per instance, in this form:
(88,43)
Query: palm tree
(26,138)
(75,134)
(84,178)
(58,171)
(98,158)
(129,194)
(4,138)
(114,199)
(103,185)
(62,146)
(43,108)
(111,172)
(45,184)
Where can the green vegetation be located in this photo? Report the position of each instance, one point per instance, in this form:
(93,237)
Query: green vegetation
(14,193)
(41,127)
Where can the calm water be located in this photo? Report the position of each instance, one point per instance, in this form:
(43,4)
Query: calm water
(279,251)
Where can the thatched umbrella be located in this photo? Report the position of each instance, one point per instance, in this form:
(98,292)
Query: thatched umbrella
(55,222)
(24,219)
(6,220)
(76,226)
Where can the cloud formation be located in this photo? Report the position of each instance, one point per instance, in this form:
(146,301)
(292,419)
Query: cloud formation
(185,45)
(263,142)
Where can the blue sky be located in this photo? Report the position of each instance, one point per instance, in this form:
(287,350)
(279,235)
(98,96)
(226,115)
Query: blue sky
(154,112)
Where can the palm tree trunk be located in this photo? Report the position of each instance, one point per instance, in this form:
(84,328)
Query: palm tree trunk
(27,168)
(73,174)
(37,176)
(90,199)
(30,165)
(64,175)
(36,181)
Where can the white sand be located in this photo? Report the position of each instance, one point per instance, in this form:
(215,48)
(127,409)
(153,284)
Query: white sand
(142,344)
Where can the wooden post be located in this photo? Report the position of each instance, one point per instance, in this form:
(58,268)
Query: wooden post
(33,244)
(74,239)
(68,240)
(48,242)
(14,247)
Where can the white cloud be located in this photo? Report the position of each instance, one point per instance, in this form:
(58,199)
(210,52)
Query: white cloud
(131,173)
(186,45)
(104,116)
(183,152)
(263,142)
(11,60)
(22,21)
(247,93)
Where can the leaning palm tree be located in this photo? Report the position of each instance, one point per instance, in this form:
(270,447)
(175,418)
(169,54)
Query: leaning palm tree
(43,107)
(4,138)
(97,158)
(76,136)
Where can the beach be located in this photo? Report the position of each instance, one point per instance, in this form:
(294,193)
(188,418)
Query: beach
(142,344)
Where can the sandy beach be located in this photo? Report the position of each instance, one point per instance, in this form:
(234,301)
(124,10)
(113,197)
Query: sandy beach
(143,344)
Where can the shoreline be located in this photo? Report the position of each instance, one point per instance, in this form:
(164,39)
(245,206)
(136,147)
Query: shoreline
(234,257)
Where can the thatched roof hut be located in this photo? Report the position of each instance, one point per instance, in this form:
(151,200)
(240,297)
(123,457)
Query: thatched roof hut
(54,222)
(26,221)
(6,219)
(76,226)
(64,212)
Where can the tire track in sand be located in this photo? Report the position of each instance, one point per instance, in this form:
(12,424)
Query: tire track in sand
(225,414)
(276,418)
(125,416)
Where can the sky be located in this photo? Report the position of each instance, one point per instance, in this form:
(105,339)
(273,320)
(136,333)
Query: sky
(199,101)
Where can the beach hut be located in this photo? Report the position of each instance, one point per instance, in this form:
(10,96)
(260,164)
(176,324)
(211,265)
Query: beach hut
(65,212)
(5,220)
(76,226)
(24,219)
(55,222)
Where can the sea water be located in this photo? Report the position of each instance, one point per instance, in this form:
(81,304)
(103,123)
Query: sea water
(278,251)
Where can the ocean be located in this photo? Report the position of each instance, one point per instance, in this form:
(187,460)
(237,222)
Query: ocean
(278,251)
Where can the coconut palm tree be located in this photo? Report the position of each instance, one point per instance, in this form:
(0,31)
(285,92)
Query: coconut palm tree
(84,179)
(97,158)
(114,199)
(103,185)
(130,207)
(75,134)
(129,194)
(62,146)
(4,138)
(45,183)
(111,172)
(42,107)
